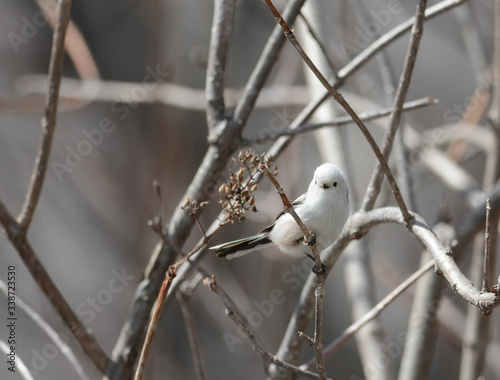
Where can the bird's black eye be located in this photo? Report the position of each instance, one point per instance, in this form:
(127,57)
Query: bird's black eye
(335,184)
(325,186)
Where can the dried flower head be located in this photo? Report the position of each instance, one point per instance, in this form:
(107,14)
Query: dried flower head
(237,193)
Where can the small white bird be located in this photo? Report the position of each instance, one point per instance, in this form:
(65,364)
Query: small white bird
(324,209)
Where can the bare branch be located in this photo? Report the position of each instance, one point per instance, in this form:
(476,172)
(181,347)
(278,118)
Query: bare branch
(222,28)
(184,297)
(340,99)
(390,36)
(16,229)
(49,119)
(48,287)
(422,324)
(337,122)
(375,184)
(359,225)
(238,317)
(487,240)
(348,333)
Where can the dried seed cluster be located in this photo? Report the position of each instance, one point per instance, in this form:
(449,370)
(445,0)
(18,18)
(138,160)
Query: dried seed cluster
(237,193)
(193,207)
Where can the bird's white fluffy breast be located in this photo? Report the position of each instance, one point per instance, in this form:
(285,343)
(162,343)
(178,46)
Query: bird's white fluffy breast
(325,218)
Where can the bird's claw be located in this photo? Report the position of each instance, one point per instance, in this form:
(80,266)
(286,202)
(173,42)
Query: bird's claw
(320,272)
(310,241)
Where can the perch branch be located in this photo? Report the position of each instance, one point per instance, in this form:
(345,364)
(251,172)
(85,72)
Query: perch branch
(362,222)
(319,270)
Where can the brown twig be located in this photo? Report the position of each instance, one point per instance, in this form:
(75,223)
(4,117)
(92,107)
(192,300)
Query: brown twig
(340,99)
(49,118)
(395,119)
(16,229)
(153,324)
(48,287)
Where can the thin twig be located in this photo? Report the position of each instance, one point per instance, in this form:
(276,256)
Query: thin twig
(153,324)
(238,317)
(486,265)
(390,36)
(288,207)
(184,298)
(373,188)
(340,99)
(49,118)
(318,41)
(339,121)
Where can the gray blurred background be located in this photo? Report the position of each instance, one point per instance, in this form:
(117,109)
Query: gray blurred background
(91,222)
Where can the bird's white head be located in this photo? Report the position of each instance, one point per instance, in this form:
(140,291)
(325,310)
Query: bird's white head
(329,180)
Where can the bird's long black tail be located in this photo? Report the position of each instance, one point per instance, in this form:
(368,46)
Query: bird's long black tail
(241,247)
